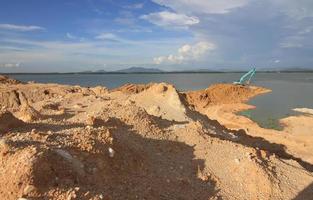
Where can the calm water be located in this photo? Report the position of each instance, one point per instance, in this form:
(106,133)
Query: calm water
(290,90)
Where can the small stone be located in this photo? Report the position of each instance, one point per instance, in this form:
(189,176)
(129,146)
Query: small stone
(237,160)
(91,120)
(4,147)
(71,196)
(111,152)
(101,196)
(264,154)
(29,189)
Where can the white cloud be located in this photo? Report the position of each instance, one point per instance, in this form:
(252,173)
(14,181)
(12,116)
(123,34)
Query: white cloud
(292,42)
(299,9)
(135,6)
(22,28)
(170,19)
(203,6)
(187,53)
(10,65)
(76,55)
(70,36)
(107,36)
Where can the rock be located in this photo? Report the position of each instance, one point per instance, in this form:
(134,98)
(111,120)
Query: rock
(28,113)
(76,164)
(4,147)
(91,120)
(29,189)
(111,152)
(99,91)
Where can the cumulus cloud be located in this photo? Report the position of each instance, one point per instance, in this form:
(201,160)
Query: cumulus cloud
(187,53)
(170,19)
(22,28)
(201,6)
(10,65)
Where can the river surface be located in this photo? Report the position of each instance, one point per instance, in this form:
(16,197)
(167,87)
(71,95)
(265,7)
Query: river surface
(289,90)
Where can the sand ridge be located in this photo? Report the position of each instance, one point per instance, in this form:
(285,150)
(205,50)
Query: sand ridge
(150,142)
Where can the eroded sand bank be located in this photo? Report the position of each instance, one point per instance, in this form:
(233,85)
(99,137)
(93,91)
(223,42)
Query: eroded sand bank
(146,142)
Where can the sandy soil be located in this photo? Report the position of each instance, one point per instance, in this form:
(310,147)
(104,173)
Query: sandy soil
(145,142)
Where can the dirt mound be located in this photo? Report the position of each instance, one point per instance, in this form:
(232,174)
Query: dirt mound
(28,114)
(10,99)
(97,164)
(87,143)
(223,94)
(99,90)
(162,100)
(133,88)
(7,80)
(8,121)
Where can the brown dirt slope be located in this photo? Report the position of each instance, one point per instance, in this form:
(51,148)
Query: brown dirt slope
(223,94)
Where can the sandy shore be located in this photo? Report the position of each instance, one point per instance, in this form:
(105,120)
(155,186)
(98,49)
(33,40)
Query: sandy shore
(147,142)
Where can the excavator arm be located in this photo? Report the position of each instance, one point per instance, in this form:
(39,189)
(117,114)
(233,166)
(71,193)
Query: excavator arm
(246,78)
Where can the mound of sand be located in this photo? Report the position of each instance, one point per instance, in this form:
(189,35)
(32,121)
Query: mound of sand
(162,100)
(8,121)
(7,80)
(99,91)
(223,94)
(137,142)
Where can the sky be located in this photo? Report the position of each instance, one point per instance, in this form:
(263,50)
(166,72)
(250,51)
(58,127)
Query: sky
(83,35)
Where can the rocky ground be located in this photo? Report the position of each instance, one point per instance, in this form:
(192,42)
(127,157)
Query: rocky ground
(144,142)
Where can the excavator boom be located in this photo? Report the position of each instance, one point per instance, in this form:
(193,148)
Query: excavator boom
(246,78)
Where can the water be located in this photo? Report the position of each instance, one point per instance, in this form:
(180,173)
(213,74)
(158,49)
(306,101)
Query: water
(290,90)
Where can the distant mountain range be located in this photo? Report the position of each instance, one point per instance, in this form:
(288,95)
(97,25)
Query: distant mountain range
(133,70)
(287,69)
(139,70)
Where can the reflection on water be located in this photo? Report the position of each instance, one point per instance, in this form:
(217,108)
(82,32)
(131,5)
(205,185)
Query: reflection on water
(289,90)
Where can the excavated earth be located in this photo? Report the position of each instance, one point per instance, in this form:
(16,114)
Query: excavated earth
(140,142)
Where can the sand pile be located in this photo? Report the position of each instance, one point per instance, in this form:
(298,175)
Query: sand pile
(162,100)
(7,80)
(99,91)
(10,99)
(140,143)
(223,94)
(8,121)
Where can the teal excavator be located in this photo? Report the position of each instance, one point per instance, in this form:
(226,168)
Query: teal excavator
(246,78)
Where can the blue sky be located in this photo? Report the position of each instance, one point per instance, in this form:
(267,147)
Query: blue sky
(78,35)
